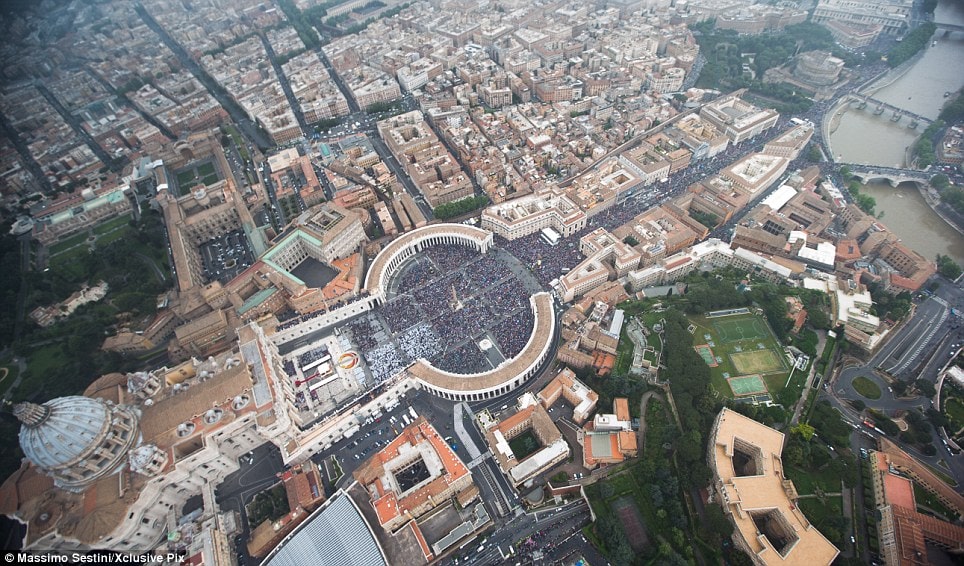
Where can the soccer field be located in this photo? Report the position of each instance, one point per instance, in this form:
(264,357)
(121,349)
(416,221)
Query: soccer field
(739,329)
(756,361)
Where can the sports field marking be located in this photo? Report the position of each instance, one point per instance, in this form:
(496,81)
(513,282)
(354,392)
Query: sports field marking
(756,361)
(737,330)
(707,354)
(744,385)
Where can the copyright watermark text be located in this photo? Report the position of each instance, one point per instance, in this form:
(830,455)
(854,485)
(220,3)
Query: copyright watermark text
(78,558)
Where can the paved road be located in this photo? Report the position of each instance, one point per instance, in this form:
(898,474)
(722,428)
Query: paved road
(240,117)
(285,85)
(157,270)
(919,349)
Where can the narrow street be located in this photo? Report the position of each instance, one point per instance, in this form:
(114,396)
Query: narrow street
(248,128)
(285,85)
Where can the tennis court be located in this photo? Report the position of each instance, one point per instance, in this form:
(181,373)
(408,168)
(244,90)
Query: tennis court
(747,385)
(739,329)
(707,354)
(632,522)
(756,361)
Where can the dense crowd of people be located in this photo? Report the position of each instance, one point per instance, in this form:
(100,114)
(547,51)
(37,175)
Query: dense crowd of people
(312,355)
(417,274)
(513,332)
(504,300)
(421,341)
(426,319)
(465,359)
(400,313)
(384,361)
(545,261)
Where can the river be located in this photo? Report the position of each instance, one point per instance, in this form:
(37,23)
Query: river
(909,216)
(862,137)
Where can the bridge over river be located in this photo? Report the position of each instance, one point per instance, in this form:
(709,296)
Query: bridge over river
(894,113)
(893,175)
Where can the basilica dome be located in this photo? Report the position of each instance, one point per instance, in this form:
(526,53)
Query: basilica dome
(76,439)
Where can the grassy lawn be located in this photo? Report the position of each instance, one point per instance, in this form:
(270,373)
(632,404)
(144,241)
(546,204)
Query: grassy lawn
(185,176)
(236,138)
(954,409)
(11,370)
(866,387)
(927,499)
(624,353)
(820,513)
(206,169)
(654,341)
(807,482)
(524,444)
(68,243)
(42,364)
(59,261)
(723,348)
(115,235)
(337,470)
(113,224)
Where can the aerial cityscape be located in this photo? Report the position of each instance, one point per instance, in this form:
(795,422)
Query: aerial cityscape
(404,282)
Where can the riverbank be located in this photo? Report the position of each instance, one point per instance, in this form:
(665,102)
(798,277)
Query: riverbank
(831,119)
(934,201)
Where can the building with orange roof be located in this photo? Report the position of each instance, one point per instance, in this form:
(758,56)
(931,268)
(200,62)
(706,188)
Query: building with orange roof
(571,389)
(796,313)
(305,492)
(906,536)
(609,438)
(415,473)
(518,467)
(759,500)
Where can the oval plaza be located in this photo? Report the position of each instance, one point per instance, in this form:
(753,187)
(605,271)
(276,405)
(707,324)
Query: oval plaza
(507,376)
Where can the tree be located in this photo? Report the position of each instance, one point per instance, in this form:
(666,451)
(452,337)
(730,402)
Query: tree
(940,181)
(948,267)
(805,431)
(925,387)
(813,153)
(794,455)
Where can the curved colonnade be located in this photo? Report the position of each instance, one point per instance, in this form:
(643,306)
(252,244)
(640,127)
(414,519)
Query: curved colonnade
(512,372)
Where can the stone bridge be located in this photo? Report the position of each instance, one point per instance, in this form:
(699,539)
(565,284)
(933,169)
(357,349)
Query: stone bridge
(885,110)
(894,176)
(948,28)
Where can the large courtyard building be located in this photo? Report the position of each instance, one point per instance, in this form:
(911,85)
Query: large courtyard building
(905,535)
(892,16)
(529,214)
(417,472)
(757,497)
(737,119)
(544,446)
(78,213)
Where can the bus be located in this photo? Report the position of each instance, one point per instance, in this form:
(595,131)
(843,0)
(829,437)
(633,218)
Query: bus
(406,420)
(412,412)
(550,236)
